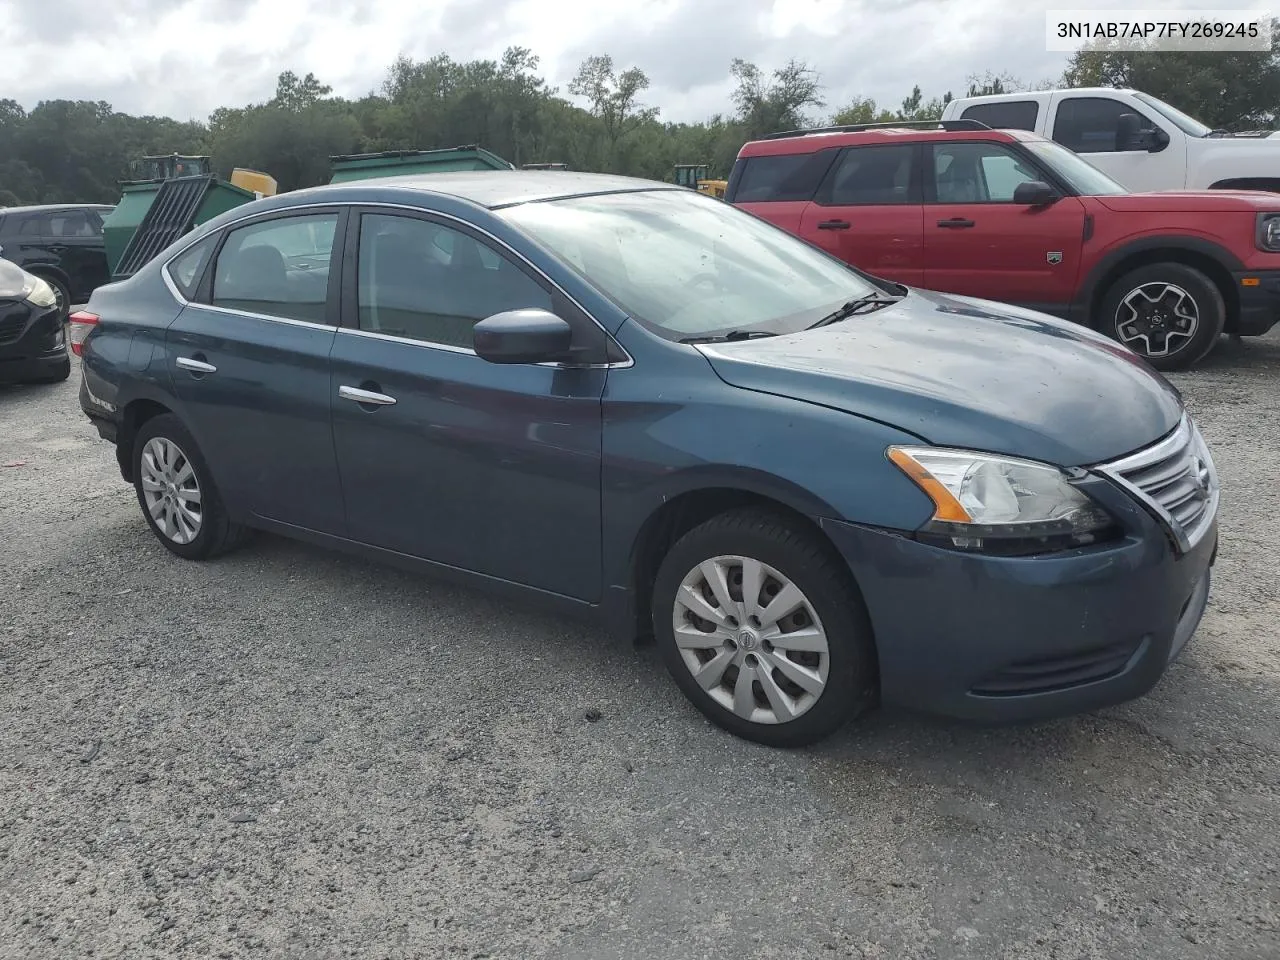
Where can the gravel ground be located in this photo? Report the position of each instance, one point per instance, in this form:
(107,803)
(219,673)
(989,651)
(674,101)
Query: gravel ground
(290,753)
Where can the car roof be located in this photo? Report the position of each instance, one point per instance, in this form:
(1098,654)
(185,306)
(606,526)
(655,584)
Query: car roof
(812,142)
(497,188)
(52,207)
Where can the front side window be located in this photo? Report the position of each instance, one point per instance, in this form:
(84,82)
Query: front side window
(277,268)
(1082,176)
(36,225)
(685,265)
(978,172)
(1093,125)
(424,281)
(873,175)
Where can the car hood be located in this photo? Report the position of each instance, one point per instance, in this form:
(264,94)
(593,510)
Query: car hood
(1191,201)
(961,372)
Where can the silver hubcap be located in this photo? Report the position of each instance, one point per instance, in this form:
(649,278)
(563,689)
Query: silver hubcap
(170,488)
(751,639)
(1157,319)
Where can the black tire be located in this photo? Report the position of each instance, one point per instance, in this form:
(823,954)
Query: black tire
(1168,353)
(215,533)
(851,686)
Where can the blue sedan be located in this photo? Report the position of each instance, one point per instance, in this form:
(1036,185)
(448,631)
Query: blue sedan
(814,489)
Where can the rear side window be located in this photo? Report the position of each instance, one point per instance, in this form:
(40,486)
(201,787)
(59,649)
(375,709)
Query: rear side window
(1008,115)
(36,225)
(873,175)
(188,268)
(278,268)
(793,176)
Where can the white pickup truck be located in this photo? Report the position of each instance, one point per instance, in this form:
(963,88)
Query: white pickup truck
(1140,141)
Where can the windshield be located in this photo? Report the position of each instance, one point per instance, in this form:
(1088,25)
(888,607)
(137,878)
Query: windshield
(1188,125)
(687,265)
(1082,176)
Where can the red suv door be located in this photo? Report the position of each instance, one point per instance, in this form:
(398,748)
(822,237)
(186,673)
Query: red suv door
(867,211)
(978,242)
(778,186)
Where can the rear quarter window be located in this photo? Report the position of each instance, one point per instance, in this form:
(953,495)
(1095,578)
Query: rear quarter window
(779,178)
(1008,115)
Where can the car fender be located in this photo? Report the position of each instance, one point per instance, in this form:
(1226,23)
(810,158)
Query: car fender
(1105,266)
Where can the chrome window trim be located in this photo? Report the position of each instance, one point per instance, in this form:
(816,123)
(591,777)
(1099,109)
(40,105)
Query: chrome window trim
(1183,436)
(176,293)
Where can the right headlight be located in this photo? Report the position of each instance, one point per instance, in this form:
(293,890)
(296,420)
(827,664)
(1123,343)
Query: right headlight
(1001,505)
(38,292)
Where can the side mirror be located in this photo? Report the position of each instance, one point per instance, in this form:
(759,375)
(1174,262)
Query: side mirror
(523,336)
(1034,193)
(1157,140)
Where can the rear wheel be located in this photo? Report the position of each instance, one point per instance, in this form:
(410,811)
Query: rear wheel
(1169,313)
(763,630)
(176,491)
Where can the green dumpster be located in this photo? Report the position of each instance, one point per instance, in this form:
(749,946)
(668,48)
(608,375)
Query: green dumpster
(403,163)
(173,195)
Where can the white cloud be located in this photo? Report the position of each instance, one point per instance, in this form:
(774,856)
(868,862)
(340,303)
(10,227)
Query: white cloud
(184,59)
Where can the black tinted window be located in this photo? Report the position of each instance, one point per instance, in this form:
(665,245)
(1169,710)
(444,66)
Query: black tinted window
(792,176)
(873,175)
(36,225)
(1010,115)
(279,268)
(1092,125)
(424,281)
(187,269)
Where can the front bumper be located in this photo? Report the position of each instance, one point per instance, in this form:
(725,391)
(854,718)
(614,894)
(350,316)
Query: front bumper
(1015,639)
(1259,303)
(33,344)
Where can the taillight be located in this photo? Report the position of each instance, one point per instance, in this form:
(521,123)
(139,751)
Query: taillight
(81,323)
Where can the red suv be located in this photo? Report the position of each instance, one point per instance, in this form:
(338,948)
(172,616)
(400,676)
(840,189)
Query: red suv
(1009,216)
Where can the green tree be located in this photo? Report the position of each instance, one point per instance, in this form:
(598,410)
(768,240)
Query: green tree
(776,102)
(613,99)
(1230,90)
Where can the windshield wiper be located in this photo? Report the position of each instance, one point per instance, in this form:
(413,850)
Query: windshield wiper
(853,306)
(730,336)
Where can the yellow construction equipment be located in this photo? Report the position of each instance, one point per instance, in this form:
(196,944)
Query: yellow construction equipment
(262,184)
(694,176)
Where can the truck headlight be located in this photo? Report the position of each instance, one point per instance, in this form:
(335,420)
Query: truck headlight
(1267,235)
(1001,505)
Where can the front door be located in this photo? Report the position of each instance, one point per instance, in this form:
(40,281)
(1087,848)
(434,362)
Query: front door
(1093,127)
(867,212)
(249,359)
(492,468)
(979,243)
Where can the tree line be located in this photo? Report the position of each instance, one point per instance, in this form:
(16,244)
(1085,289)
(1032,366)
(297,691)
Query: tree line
(64,150)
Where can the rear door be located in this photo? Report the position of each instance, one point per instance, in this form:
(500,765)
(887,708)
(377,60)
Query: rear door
(868,211)
(76,239)
(249,359)
(978,242)
(778,187)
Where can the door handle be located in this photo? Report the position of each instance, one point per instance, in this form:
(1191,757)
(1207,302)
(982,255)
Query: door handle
(834,225)
(956,223)
(195,366)
(365,396)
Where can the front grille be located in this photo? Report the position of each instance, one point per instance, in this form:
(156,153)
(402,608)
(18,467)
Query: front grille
(11,327)
(1176,480)
(1057,673)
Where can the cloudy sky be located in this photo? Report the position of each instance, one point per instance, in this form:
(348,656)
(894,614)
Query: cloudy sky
(183,58)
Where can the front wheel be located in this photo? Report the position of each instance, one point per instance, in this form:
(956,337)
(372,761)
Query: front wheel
(763,630)
(1168,313)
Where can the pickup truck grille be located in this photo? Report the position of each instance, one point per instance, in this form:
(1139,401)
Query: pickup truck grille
(1176,480)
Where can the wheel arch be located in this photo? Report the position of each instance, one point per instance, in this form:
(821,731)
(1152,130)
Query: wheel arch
(677,514)
(1216,262)
(132,416)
